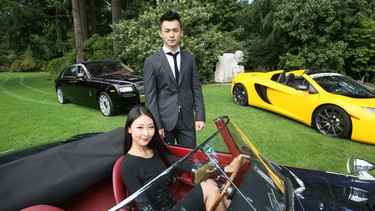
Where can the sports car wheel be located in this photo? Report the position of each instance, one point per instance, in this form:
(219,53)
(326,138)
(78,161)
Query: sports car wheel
(240,95)
(106,105)
(60,96)
(332,121)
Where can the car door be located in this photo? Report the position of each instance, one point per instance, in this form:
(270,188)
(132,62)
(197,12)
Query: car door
(67,80)
(294,103)
(82,87)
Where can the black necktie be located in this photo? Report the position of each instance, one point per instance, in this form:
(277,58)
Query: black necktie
(176,73)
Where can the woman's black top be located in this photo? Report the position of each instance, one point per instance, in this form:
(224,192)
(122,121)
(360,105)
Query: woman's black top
(138,171)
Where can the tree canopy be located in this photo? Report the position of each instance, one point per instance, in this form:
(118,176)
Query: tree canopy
(324,35)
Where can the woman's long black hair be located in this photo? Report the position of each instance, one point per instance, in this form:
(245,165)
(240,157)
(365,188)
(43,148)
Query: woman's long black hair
(156,144)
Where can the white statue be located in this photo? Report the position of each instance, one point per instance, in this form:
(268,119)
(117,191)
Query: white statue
(227,66)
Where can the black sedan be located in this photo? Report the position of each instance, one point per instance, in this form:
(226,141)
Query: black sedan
(109,85)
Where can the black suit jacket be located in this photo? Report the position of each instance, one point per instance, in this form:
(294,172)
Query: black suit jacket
(163,95)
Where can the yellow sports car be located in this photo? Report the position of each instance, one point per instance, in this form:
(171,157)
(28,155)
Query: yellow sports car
(333,104)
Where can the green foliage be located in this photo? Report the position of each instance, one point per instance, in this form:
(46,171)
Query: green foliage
(23,65)
(324,35)
(261,37)
(262,56)
(139,38)
(33,32)
(361,51)
(98,47)
(313,32)
(55,66)
(292,62)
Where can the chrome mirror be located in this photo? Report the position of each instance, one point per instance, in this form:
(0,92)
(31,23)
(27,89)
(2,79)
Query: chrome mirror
(80,75)
(360,166)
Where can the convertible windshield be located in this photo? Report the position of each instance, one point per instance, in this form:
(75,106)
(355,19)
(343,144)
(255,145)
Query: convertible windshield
(255,186)
(342,85)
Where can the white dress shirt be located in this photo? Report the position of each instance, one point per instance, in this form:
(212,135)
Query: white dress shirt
(170,59)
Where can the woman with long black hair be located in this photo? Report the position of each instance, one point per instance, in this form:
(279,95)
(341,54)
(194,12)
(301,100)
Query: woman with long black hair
(146,157)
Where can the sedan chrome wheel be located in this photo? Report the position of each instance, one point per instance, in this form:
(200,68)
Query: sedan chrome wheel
(332,121)
(106,105)
(240,96)
(60,96)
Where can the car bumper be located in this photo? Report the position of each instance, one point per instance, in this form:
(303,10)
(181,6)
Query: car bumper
(363,130)
(126,101)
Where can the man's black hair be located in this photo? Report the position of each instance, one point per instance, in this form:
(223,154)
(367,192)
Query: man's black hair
(170,16)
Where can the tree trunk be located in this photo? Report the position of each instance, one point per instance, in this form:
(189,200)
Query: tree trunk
(92,17)
(83,18)
(77,31)
(116,16)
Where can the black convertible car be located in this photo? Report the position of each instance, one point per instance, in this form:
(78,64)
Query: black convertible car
(109,85)
(82,173)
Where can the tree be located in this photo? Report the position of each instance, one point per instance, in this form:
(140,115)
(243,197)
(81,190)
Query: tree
(93,21)
(78,36)
(262,38)
(116,17)
(313,31)
(83,18)
(361,50)
(39,30)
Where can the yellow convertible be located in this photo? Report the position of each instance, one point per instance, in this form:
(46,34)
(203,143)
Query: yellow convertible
(333,104)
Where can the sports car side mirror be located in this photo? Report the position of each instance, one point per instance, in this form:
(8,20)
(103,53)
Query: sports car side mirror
(304,87)
(360,166)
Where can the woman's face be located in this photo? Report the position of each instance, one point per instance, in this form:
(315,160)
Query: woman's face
(142,130)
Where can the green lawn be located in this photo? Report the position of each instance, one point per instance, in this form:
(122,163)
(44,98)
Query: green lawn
(30,115)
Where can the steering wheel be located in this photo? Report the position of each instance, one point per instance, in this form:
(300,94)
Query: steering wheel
(227,184)
(335,88)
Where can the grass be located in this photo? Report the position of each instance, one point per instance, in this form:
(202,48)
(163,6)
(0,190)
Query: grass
(31,115)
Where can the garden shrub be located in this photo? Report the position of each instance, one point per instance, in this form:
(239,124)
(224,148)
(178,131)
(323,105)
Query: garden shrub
(98,48)
(23,65)
(55,66)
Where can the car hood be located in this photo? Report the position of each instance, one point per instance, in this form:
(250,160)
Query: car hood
(119,78)
(331,191)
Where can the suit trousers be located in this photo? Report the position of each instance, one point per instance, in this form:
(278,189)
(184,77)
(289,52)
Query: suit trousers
(184,136)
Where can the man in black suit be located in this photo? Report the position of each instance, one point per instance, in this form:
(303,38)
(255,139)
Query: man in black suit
(173,91)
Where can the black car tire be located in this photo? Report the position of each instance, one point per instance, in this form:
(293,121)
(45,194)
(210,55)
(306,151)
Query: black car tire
(332,121)
(60,96)
(106,105)
(240,96)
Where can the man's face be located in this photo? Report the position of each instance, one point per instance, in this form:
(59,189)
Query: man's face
(171,32)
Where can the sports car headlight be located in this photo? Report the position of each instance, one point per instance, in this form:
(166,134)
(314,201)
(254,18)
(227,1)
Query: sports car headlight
(125,89)
(369,109)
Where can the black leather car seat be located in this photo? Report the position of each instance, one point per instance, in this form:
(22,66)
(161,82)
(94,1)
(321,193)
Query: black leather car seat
(282,77)
(289,81)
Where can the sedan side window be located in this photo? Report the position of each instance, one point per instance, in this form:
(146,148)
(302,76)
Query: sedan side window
(70,72)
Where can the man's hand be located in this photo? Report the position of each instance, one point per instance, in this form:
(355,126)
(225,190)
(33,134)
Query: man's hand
(161,133)
(199,125)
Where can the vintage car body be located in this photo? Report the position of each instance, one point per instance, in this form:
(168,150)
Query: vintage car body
(79,174)
(104,84)
(333,104)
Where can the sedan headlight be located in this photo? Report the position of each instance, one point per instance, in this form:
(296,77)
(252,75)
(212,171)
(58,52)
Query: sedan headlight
(369,109)
(124,89)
